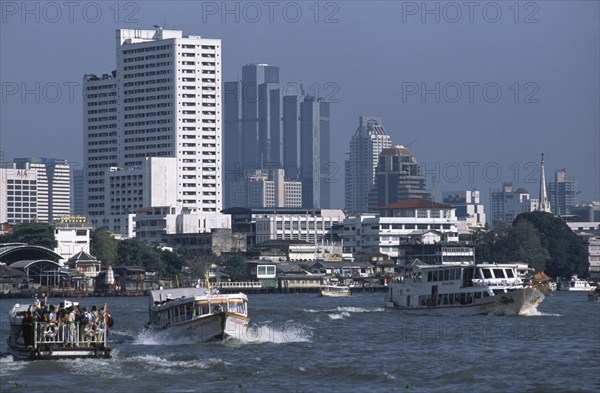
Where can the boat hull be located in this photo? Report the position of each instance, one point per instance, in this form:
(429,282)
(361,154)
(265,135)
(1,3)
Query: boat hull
(54,352)
(522,301)
(334,294)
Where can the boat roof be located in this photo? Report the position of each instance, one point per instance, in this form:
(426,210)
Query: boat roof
(160,295)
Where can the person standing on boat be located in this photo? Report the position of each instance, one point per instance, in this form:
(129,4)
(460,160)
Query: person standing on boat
(28,329)
(71,318)
(61,317)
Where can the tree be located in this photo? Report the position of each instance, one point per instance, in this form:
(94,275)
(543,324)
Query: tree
(236,267)
(103,246)
(527,246)
(34,234)
(567,252)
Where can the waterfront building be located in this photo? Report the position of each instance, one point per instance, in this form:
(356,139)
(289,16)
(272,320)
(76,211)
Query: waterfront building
(384,231)
(263,224)
(163,100)
(72,234)
(365,146)
(397,177)
(562,193)
(587,211)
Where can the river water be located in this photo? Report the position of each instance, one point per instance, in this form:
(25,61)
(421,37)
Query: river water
(305,343)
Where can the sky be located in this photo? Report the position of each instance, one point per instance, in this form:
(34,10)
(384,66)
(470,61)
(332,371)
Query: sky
(477,89)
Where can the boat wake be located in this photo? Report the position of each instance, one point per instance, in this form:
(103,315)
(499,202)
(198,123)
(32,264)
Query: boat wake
(340,315)
(167,365)
(348,309)
(163,337)
(534,312)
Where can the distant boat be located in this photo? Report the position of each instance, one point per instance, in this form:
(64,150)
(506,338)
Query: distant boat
(334,290)
(200,313)
(32,339)
(577,284)
(488,289)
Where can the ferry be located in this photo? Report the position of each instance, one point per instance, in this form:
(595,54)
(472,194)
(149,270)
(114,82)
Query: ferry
(482,289)
(578,285)
(201,313)
(33,339)
(334,290)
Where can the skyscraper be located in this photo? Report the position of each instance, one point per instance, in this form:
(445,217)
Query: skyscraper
(252,134)
(53,186)
(506,204)
(315,163)
(269,126)
(163,100)
(365,146)
(562,193)
(397,177)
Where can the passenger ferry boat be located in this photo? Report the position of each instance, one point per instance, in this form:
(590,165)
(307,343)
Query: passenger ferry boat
(334,290)
(30,339)
(487,289)
(201,313)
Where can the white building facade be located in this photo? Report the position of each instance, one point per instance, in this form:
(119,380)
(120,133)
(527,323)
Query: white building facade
(18,195)
(384,231)
(72,234)
(164,100)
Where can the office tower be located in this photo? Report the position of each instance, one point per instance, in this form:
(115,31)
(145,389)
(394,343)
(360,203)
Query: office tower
(562,193)
(506,204)
(397,177)
(77,192)
(252,136)
(365,146)
(317,170)
(468,207)
(163,100)
(270,126)
(53,186)
(18,195)
(267,189)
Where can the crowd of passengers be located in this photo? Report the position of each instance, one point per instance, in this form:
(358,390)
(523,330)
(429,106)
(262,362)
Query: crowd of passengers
(70,326)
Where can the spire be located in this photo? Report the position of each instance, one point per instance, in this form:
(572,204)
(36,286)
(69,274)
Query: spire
(544,204)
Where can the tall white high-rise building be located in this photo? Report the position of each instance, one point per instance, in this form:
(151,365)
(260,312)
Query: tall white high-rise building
(365,146)
(163,100)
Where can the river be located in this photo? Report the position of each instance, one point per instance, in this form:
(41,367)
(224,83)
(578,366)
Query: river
(305,343)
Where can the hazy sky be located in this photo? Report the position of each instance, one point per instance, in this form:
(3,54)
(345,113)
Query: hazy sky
(477,89)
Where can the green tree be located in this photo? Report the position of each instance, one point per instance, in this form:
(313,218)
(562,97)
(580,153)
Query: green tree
(103,246)
(236,267)
(567,252)
(527,246)
(35,234)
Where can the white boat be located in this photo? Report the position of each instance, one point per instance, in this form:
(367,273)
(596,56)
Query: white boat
(32,339)
(487,289)
(578,285)
(334,290)
(200,313)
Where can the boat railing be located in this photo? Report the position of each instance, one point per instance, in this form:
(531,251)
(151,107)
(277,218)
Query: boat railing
(66,335)
(494,282)
(239,284)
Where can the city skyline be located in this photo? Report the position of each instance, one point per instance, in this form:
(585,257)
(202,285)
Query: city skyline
(411,78)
